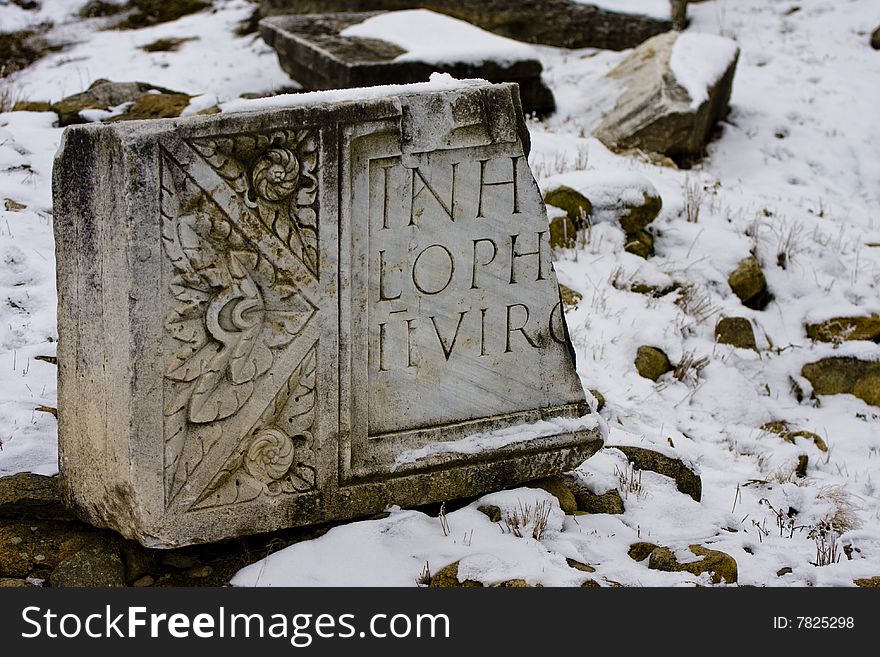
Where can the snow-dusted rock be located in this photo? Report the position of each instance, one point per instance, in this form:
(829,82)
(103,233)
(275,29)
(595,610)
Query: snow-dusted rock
(677,86)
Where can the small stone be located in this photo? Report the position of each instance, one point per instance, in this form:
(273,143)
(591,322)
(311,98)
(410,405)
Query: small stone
(842,375)
(591,584)
(868,582)
(600,399)
(491,511)
(563,233)
(15,583)
(40,557)
(577,565)
(720,565)
(97,565)
(558,488)
(15,540)
(514,584)
(875,39)
(28,495)
(200,572)
(782,429)
(13,206)
(737,332)
(179,561)
(641,551)
(143,582)
(570,298)
(577,207)
(640,243)
(801,469)
(840,329)
(784,571)
(104,94)
(608,502)
(447,577)
(32,106)
(652,363)
(155,106)
(748,283)
(686,479)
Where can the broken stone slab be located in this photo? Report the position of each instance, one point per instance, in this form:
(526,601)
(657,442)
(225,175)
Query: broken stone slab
(329,51)
(306,313)
(560,23)
(676,87)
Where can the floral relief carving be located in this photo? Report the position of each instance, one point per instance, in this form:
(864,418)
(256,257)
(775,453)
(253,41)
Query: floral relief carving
(233,313)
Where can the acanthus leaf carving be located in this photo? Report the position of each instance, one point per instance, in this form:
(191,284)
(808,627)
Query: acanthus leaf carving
(233,309)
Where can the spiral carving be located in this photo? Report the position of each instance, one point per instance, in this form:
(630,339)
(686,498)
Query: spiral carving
(276,174)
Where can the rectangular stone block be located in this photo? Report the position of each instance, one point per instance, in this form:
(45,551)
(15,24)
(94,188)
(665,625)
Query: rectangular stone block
(288,316)
(314,50)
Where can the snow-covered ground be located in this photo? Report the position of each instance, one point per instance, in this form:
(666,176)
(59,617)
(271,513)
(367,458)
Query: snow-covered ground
(796,170)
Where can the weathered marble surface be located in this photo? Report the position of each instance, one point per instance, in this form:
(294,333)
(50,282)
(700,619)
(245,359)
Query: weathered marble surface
(288,316)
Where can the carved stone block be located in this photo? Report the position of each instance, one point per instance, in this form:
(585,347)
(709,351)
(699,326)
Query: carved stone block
(313,52)
(288,316)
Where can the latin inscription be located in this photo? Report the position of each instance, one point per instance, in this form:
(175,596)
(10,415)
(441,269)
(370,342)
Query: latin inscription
(459,285)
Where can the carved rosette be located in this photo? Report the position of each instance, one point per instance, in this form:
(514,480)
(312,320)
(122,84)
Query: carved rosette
(235,312)
(275,175)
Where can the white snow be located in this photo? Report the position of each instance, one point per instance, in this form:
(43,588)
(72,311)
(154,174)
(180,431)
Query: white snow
(437,82)
(498,439)
(698,62)
(439,39)
(794,172)
(653,8)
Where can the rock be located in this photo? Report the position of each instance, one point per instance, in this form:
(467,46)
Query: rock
(155,106)
(600,399)
(32,106)
(138,560)
(319,52)
(33,548)
(868,582)
(558,488)
(656,112)
(748,283)
(28,495)
(576,206)
(652,363)
(577,565)
(782,429)
(100,9)
(143,582)
(782,572)
(145,13)
(104,94)
(491,511)
(14,583)
(720,565)
(687,480)
(591,584)
(622,197)
(200,572)
(167,45)
(641,551)
(563,233)
(737,332)
(801,468)
(97,565)
(570,298)
(842,375)
(560,23)
(640,243)
(243,192)
(608,502)
(875,39)
(840,329)
(447,578)
(514,584)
